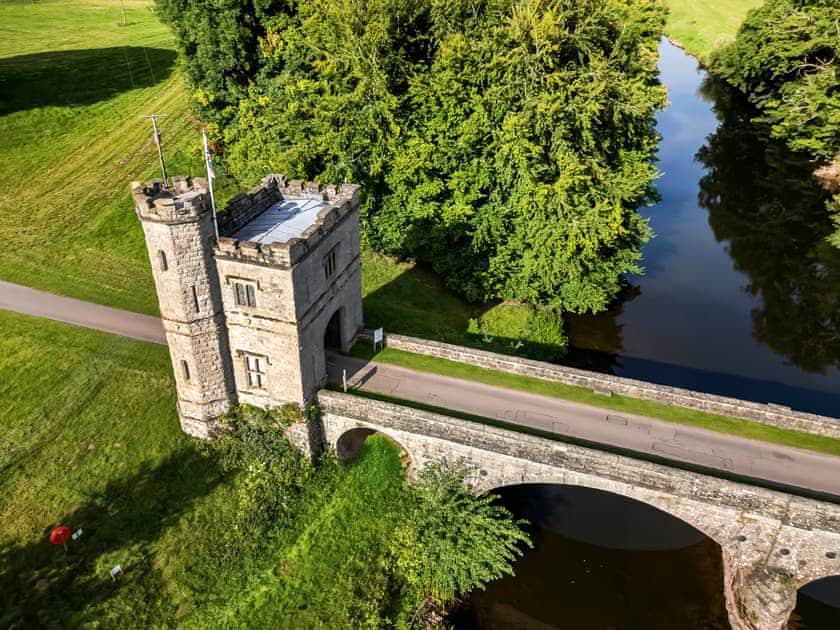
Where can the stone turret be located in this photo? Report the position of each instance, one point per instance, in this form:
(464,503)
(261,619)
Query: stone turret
(180,235)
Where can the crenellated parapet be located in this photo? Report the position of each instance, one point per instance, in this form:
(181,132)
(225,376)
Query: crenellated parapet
(274,189)
(183,201)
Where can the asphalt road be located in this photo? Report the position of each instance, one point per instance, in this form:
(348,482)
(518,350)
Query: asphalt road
(769,462)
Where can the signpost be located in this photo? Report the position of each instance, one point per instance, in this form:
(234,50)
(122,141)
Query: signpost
(378,338)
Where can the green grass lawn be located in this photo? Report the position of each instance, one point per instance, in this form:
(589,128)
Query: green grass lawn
(679,415)
(701,26)
(89,437)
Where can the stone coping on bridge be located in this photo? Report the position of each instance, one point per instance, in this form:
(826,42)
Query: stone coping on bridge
(789,509)
(771,414)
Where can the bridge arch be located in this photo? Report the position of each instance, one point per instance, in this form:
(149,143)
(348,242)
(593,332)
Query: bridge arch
(642,521)
(349,444)
(818,603)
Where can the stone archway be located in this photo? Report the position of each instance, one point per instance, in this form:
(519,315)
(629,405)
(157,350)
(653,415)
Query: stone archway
(350,444)
(332,332)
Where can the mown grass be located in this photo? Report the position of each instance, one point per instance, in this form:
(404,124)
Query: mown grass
(89,437)
(74,84)
(702,26)
(679,415)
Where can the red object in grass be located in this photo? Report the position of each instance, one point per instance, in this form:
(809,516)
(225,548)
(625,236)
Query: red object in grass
(60,535)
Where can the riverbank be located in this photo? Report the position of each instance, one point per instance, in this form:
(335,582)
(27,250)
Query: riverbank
(701,26)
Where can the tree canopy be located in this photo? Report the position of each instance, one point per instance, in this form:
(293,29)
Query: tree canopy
(507,143)
(785,60)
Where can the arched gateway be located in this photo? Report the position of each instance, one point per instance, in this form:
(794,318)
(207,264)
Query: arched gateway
(771,541)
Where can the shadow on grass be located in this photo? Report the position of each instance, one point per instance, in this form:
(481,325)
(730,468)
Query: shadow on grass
(42,585)
(79,77)
(415,303)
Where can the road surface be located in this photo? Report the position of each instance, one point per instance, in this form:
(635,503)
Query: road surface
(730,454)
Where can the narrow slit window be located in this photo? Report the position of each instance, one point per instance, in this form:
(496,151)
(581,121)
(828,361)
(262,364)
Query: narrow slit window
(195,298)
(255,367)
(185,368)
(329,263)
(164,266)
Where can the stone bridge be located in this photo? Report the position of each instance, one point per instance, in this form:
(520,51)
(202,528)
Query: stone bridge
(772,542)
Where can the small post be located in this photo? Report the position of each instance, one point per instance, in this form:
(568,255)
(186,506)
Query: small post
(156,136)
(344,379)
(122,6)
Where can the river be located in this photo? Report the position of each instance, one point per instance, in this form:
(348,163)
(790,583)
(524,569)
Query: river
(740,296)
(741,292)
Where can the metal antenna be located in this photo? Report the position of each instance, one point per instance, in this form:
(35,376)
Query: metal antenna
(156,136)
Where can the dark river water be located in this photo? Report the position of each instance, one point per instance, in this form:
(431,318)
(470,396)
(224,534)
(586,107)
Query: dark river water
(741,296)
(741,292)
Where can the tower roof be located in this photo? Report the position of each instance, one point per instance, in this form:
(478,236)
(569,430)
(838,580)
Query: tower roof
(283,220)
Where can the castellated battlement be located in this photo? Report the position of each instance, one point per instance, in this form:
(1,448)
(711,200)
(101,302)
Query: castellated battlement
(279,222)
(184,200)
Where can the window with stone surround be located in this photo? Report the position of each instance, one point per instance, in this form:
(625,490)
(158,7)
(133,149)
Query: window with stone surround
(245,293)
(329,262)
(255,369)
(162,257)
(185,367)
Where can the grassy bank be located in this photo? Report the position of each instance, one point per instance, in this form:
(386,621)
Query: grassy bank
(90,438)
(701,26)
(679,415)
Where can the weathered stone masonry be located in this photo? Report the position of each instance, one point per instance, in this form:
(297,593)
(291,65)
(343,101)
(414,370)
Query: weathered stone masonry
(246,320)
(772,542)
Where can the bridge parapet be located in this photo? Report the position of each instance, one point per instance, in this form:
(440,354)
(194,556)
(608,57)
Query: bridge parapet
(772,542)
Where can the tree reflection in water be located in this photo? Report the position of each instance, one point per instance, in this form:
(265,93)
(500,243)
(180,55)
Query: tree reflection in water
(765,202)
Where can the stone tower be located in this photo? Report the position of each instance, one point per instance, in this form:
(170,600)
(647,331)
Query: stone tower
(178,225)
(251,314)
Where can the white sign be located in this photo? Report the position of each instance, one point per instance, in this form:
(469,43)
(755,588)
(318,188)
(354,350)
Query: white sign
(378,335)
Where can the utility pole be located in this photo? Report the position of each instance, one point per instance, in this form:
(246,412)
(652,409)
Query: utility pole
(156,136)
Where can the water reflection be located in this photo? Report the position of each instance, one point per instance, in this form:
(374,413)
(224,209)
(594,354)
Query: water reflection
(763,201)
(601,561)
(740,293)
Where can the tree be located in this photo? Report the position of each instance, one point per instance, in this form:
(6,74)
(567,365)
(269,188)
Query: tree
(785,59)
(451,541)
(507,143)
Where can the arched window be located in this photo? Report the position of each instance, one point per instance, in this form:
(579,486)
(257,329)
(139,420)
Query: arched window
(163,265)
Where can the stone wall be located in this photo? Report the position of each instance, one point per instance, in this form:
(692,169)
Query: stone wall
(607,384)
(772,542)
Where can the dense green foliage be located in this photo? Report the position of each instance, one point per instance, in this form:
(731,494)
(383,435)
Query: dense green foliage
(452,542)
(507,143)
(241,532)
(785,59)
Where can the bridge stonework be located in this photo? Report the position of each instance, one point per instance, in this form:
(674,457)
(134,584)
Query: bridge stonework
(772,542)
